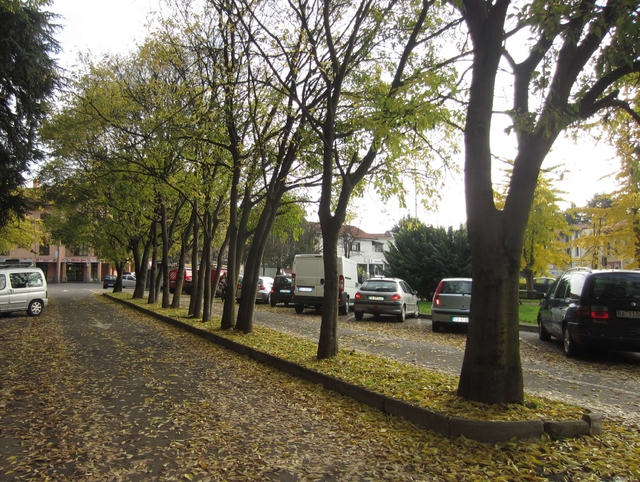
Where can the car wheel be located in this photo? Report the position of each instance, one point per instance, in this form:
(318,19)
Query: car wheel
(299,309)
(273,303)
(35,308)
(568,343)
(343,310)
(416,312)
(542,333)
(268,300)
(359,315)
(435,326)
(403,313)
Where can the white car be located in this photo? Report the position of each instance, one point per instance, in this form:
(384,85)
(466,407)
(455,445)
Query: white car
(128,281)
(265,283)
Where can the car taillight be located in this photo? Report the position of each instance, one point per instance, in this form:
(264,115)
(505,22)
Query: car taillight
(436,296)
(358,295)
(594,312)
(293,282)
(273,290)
(341,284)
(396,297)
(239,286)
(261,287)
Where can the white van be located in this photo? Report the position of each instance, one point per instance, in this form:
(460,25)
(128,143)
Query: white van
(23,289)
(308,282)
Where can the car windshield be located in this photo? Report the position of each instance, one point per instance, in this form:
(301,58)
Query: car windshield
(615,286)
(457,287)
(380,285)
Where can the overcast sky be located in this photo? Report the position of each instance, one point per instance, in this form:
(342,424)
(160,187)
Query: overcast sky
(99,27)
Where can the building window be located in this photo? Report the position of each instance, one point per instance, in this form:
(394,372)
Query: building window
(377,247)
(82,250)
(577,252)
(44,250)
(355,246)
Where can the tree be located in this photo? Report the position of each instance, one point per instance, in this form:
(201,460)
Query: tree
(27,82)
(577,53)
(606,232)
(368,92)
(543,246)
(422,255)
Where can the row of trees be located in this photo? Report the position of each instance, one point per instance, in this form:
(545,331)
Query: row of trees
(229,111)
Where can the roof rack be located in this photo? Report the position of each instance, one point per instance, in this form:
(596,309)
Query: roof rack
(21,264)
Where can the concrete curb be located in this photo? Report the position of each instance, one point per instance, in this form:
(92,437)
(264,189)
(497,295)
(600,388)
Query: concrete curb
(478,430)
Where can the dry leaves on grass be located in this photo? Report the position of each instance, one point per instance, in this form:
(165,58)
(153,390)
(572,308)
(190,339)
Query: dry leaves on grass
(396,450)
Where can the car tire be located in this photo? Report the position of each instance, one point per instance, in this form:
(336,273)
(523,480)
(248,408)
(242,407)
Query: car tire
(403,314)
(416,312)
(273,303)
(344,309)
(35,308)
(359,315)
(299,308)
(542,333)
(568,343)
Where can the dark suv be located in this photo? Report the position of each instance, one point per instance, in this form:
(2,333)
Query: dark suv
(592,308)
(281,290)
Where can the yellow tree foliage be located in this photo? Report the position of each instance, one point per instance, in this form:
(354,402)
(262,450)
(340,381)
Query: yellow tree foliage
(543,245)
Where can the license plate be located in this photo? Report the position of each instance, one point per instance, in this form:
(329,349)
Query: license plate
(461,319)
(285,291)
(628,314)
(376,298)
(306,289)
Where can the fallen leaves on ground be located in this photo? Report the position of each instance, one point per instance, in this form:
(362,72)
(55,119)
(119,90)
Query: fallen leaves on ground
(397,450)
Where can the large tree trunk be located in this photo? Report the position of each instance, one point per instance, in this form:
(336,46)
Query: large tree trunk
(154,263)
(491,369)
(166,301)
(177,293)
(252,270)
(328,342)
(229,309)
(194,261)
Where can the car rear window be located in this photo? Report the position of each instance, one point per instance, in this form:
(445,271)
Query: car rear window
(457,287)
(283,281)
(379,285)
(615,286)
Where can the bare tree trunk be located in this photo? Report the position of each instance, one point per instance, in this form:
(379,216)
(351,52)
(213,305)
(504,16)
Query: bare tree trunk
(177,294)
(252,270)
(194,261)
(165,257)
(154,258)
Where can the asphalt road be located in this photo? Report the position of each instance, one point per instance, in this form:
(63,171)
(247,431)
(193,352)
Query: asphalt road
(604,381)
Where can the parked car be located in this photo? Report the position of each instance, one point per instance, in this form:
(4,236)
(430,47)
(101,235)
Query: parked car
(542,284)
(23,289)
(281,291)
(265,283)
(109,281)
(592,308)
(386,296)
(128,281)
(451,303)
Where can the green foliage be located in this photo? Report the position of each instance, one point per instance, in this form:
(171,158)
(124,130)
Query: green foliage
(20,233)
(27,81)
(423,255)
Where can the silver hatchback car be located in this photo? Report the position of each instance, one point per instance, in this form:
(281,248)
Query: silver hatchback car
(451,303)
(386,296)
